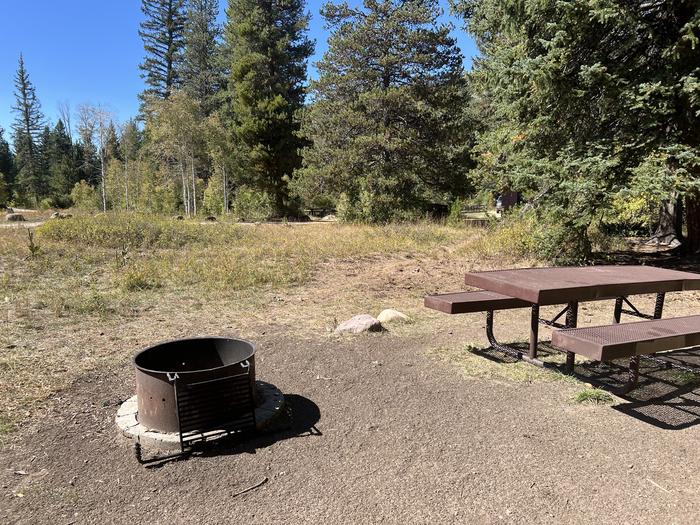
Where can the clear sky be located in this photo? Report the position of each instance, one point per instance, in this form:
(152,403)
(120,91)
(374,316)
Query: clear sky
(87,51)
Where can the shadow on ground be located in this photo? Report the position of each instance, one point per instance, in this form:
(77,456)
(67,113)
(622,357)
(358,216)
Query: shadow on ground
(299,421)
(671,259)
(665,397)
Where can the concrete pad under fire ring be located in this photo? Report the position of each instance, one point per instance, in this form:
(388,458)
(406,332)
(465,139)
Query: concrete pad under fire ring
(267,414)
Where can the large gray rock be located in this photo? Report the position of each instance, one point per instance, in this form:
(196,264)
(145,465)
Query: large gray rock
(392,316)
(14,217)
(358,324)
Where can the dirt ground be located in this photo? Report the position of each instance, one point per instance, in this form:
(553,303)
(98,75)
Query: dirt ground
(406,426)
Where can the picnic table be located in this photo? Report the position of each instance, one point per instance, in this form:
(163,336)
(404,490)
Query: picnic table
(536,287)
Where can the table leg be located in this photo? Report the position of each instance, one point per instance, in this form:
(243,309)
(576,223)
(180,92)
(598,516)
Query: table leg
(534,330)
(617,314)
(571,322)
(659,305)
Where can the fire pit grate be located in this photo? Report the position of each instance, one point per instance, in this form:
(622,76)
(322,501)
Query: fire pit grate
(214,408)
(198,389)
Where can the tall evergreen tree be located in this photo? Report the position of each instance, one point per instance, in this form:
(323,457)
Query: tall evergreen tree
(63,171)
(27,127)
(268,51)
(202,72)
(586,100)
(7,161)
(387,120)
(162,33)
(129,146)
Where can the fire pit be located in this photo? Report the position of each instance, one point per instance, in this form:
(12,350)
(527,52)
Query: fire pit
(196,390)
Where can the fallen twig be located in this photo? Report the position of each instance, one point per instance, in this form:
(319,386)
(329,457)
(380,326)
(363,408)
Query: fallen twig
(252,487)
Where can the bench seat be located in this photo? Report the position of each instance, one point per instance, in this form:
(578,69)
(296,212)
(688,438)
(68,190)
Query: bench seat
(603,343)
(469,302)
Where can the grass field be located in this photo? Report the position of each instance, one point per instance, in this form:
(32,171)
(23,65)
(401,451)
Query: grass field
(75,274)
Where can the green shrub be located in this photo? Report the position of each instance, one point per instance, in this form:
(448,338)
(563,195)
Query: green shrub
(138,231)
(139,278)
(84,196)
(251,205)
(46,204)
(454,218)
(344,210)
(213,200)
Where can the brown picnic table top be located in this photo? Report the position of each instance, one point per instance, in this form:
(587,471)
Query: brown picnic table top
(559,285)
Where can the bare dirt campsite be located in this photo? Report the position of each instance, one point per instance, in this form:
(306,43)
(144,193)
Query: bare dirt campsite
(420,423)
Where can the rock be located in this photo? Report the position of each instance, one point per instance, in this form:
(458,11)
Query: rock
(358,324)
(392,316)
(14,217)
(59,215)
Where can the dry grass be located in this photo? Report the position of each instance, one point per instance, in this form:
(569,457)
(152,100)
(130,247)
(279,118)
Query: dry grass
(66,310)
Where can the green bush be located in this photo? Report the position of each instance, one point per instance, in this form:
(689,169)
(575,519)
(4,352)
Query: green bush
(139,231)
(251,205)
(454,218)
(344,210)
(84,196)
(213,200)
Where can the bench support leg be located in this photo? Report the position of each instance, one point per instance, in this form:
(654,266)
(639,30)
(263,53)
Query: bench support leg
(534,330)
(633,374)
(505,348)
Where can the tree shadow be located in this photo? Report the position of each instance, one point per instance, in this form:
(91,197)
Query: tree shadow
(298,420)
(671,259)
(665,397)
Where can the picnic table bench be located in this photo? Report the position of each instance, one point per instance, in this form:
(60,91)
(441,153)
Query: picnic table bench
(319,212)
(535,287)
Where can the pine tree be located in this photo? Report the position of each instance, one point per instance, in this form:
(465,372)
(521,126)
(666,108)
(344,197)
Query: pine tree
(63,171)
(162,33)
(129,146)
(387,120)
(202,71)
(7,162)
(268,50)
(588,101)
(27,128)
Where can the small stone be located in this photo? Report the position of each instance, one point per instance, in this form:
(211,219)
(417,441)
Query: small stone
(360,323)
(392,316)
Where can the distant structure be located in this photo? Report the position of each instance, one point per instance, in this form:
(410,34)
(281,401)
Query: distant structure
(507,200)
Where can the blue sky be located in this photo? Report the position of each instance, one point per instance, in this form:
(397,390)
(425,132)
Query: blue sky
(80,51)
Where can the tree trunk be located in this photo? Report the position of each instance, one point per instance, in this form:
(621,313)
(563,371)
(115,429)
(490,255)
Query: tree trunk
(692,214)
(194,187)
(669,228)
(225,177)
(104,189)
(126,183)
(185,195)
